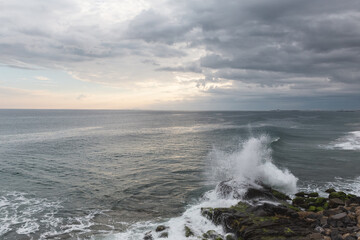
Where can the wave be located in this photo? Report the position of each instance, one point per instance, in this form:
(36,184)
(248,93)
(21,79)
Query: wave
(38,218)
(250,163)
(351,141)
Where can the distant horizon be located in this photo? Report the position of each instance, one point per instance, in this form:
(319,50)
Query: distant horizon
(170,110)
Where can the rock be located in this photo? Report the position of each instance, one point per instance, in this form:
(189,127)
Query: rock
(300,194)
(340,195)
(300,201)
(212,235)
(224,189)
(230,236)
(330,190)
(148,236)
(160,228)
(188,232)
(312,209)
(339,216)
(320,201)
(280,195)
(313,194)
(164,235)
(335,202)
(315,236)
(255,193)
(323,221)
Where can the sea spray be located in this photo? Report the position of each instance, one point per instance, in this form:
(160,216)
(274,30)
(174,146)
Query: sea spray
(249,163)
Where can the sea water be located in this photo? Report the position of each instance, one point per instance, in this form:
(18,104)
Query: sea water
(81,174)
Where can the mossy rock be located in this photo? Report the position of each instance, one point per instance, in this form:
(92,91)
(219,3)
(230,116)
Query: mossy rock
(241,207)
(230,236)
(320,201)
(212,234)
(326,205)
(318,209)
(280,195)
(293,208)
(313,194)
(330,190)
(310,200)
(350,196)
(298,201)
(160,228)
(188,232)
(288,231)
(340,195)
(312,209)
(300,194)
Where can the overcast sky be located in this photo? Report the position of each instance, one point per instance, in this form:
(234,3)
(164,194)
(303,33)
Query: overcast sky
(180,55)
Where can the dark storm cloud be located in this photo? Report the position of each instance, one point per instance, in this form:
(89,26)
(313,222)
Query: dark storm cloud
(309,38)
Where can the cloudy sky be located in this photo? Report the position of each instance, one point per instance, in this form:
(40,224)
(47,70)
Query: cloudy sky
(180,55)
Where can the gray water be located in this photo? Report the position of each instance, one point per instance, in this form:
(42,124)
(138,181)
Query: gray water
(68,174)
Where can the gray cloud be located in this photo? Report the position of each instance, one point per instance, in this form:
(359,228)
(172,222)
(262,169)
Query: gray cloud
(266,43)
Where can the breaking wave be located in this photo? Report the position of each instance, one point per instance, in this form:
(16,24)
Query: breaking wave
(351,141)
(250,163)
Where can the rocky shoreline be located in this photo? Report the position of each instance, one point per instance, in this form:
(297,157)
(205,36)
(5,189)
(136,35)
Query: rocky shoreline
(267,214)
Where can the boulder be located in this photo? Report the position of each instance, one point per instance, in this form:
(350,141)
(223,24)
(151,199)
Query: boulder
(335,202)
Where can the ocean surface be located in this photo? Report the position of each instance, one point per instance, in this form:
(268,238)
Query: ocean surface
(86,174)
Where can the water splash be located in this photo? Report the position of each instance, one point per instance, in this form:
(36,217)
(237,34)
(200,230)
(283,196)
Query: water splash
(251,162)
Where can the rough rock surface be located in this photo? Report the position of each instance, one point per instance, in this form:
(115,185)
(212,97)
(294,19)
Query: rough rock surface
(268,214)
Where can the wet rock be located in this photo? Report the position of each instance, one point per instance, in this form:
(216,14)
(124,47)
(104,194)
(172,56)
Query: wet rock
(255,193)
(188,232)
(313,194)
(340,195)
(230,236)
(160,228)
(330,190)
(335,202)
(164,235)
(148,236)
(300,194)
(212,235)
(328,218)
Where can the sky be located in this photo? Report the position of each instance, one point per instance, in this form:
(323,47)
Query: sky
(180,55)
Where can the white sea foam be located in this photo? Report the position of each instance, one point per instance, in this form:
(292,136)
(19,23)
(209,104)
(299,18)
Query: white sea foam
(176,226)
(25,215)
(250,162)
(350,141)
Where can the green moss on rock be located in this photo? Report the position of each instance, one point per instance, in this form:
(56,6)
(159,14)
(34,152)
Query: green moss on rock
(280,195)
(313,194)
(312,209)
(300,194)
(340,195)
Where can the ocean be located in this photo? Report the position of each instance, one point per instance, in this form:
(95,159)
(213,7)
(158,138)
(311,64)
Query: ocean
(102,174)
